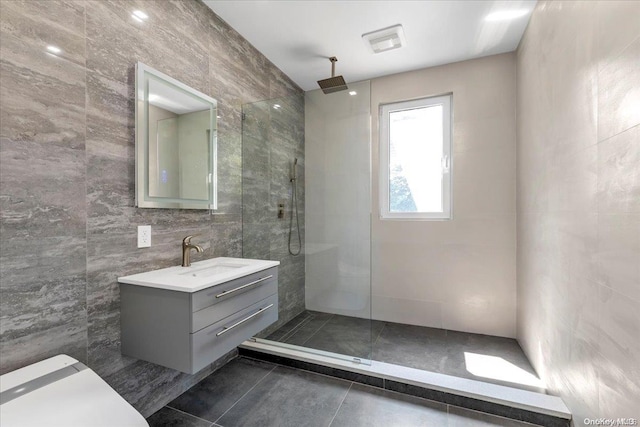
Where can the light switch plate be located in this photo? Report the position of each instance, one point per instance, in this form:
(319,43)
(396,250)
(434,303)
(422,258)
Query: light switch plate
(144,236)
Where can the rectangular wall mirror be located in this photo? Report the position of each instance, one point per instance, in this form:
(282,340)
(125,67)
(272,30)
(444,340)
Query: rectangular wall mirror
(176,141)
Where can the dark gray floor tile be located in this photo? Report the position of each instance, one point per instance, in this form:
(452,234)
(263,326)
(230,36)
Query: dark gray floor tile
(370,407)
(506,348)
(290,327)
(460,417)
(214,395)
(351,336)
(288,397)
(168,417)
(412,346)
(313,324)
(430,349)
(505,351)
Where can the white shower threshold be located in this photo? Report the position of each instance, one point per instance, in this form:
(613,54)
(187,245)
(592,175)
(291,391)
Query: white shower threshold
(502,395)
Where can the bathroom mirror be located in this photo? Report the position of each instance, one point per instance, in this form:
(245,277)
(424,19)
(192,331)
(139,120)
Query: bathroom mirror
(175,143)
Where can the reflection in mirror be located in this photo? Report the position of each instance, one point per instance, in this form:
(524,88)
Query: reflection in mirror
(175,143)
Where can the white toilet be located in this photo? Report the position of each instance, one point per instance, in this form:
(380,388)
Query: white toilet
(61,391)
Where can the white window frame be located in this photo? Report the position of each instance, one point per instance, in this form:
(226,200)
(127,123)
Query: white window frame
(447,164)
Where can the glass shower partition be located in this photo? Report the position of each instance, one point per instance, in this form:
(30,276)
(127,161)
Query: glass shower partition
(326,304)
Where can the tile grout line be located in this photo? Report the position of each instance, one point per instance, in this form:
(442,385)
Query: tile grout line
(319,329)
(295,329)
(248,391)
(186,413)
(86,193)
(378,338)
(340,405)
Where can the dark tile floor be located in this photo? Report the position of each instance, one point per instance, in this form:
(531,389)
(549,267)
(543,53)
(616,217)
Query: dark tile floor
(248,392)
(480,357)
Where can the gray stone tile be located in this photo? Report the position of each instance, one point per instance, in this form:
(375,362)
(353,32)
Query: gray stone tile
(412,346)
(62,25)
(53,111)
(351,336)
(168,417)
(369,406)
(110,124)
(290,327)
(280,85)
(235,56)
(115,41)
(301,335)
(460,417)
(506,348)
(255,241)
(42,189)
(67,183)
(214,395)
(42,299)
(143,384)
(288,397)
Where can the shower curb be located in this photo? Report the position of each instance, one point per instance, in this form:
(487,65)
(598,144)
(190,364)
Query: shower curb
(508,402)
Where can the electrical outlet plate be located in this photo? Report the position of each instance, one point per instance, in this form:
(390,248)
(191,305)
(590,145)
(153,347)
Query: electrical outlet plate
(144,236)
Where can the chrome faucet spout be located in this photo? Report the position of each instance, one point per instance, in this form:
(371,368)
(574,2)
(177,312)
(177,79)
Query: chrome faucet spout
(186,251)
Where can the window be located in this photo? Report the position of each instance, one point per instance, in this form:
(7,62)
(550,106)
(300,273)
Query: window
(415,159)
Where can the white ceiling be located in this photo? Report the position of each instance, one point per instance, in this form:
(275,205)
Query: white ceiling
(300,36)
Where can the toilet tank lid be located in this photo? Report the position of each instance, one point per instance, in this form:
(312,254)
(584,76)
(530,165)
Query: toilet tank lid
(29,373)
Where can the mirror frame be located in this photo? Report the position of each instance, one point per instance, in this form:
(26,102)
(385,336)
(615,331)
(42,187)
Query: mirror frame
(143,200)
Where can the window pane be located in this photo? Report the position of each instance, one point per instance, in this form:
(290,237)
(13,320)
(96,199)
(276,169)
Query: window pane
(415,160)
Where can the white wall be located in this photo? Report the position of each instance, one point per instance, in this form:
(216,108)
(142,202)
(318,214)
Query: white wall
(337,201)
(458,274)
(579,203)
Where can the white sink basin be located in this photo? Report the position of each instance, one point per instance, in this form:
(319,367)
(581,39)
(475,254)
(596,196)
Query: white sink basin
(200,275)
(220,266)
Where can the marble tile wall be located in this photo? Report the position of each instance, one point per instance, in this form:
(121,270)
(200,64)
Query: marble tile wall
(68,221)
(578,203)
(273,136)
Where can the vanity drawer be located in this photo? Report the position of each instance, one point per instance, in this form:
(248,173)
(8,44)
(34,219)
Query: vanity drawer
(229,290)
(232,303)
(218,339)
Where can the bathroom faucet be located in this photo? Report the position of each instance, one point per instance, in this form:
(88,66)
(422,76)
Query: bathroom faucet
(186,251)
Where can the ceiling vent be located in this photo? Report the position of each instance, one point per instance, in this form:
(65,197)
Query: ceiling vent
(385,39)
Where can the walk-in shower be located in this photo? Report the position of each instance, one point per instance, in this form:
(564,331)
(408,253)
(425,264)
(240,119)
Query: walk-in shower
(322,173)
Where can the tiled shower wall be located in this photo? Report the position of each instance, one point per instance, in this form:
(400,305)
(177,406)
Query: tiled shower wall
(272,137)
(579,203)
(68,226)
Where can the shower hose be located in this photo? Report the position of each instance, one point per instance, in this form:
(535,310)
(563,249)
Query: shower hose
(294,205)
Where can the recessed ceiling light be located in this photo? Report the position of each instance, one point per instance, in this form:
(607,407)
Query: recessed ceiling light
(385,39)
(504,15)
(353,92)
(54,49)
(139,15)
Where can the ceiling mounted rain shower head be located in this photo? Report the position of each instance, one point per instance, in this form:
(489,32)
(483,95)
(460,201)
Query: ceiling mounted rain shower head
(333,83)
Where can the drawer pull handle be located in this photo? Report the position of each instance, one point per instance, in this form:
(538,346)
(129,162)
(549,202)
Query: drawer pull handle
(228,328)
(230,291)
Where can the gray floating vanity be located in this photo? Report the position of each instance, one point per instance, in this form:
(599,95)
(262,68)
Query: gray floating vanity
(185,318)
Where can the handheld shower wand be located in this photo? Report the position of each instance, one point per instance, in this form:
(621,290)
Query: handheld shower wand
(294,203)
(293,172)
